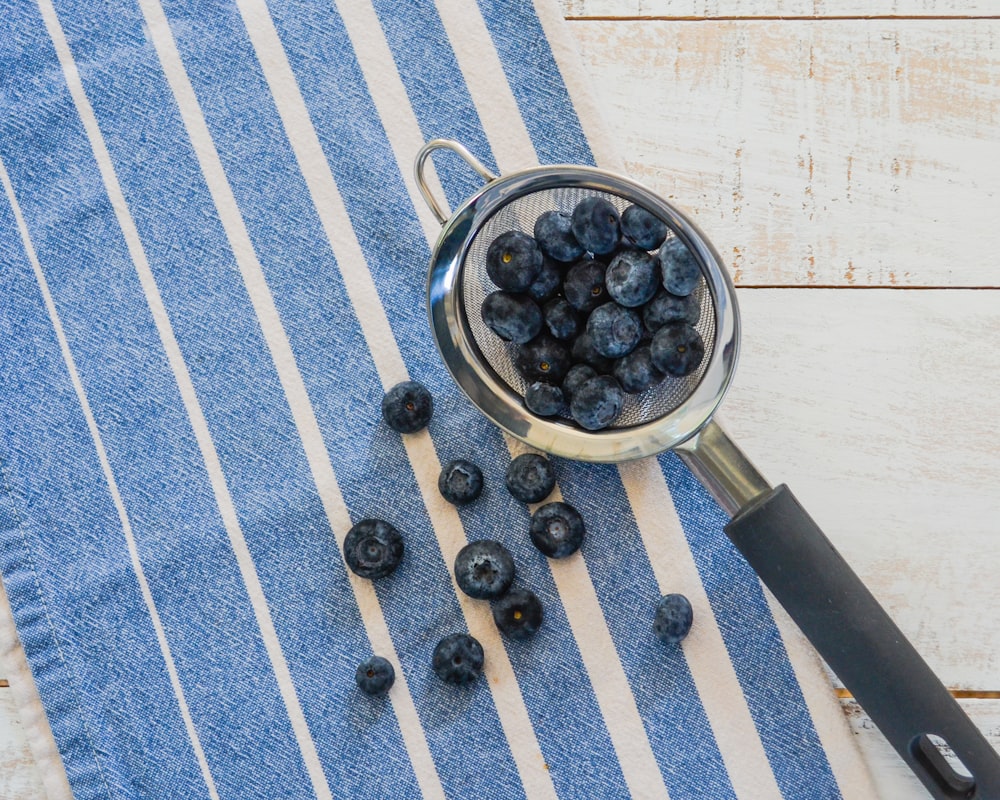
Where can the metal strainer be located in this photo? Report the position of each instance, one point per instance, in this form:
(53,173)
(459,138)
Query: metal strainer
(793,557)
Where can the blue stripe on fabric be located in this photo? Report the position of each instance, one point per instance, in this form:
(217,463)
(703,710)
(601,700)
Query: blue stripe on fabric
(536,82)
(203,604)
(664,690)
(29,597)
(62,546)
(302,575)
(377,202)
(751,635)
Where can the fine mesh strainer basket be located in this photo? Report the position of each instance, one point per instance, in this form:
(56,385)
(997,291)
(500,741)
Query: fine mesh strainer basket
(793,557)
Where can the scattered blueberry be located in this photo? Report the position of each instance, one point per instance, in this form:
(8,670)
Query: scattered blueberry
(546,285)
(513,261)
(561,319)
(484,569)
(557,529)
(595,224)
(677,349)
(530,478)
(578,375)
(597,403)
(458,659)
(665,308)
(584,351)
(583,285)
(642,228)
(518,614)
(460,482)
(375,676)
(542,359)
(513,317)
(407,407)
(555,237)
(614,330)
(681,272)
(544,399)
(673,618)
(632,278)
(373,548)
(636,372)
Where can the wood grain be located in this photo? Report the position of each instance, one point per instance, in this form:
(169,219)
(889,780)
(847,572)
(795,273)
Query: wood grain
(816,153)
(816,9)
(20,778)
(878,409)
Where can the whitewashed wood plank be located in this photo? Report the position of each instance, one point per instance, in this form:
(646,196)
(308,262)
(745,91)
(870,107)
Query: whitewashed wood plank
(842,153)
(20,778)
(714,9)
(893,778)
(878,409)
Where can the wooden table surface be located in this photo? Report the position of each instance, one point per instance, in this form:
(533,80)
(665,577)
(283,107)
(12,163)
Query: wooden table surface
(844,157)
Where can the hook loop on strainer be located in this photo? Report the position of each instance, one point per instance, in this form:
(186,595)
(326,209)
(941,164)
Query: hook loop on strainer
(418,170)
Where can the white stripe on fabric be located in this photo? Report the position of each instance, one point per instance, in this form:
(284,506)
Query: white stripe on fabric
(849,769)
(511,144)
(493,98)
(581,94)
(360,287)
(711,667)
(198,423)
(292,385)
(102,455)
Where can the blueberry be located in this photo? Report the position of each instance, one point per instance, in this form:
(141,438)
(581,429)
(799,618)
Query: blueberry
(375,676)
(673,618)
(636,372)
(407,407)
(584,352)
(530,478)
(460,482)
(544,399)
(665,308)
(547,284)
(555,238)
(373,548)
(595,224)
(642,228)
(484,569)
(513,317)
(677,349)
(518,614)
(542,359)
(614,330)
(681,272)
(513,261)
(557,529)
(632,278)
(458,659)
(561,319)
(578,375)
(597,403)
(583,285)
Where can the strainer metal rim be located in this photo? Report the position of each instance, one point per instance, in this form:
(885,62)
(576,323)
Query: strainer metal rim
(495,398)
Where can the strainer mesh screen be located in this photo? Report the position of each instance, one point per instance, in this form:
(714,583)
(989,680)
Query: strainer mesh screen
(520,215)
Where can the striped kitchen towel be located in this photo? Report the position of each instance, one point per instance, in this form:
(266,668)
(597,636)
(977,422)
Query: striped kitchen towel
(212,264)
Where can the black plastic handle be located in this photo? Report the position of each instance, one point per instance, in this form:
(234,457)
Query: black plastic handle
(864,647)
